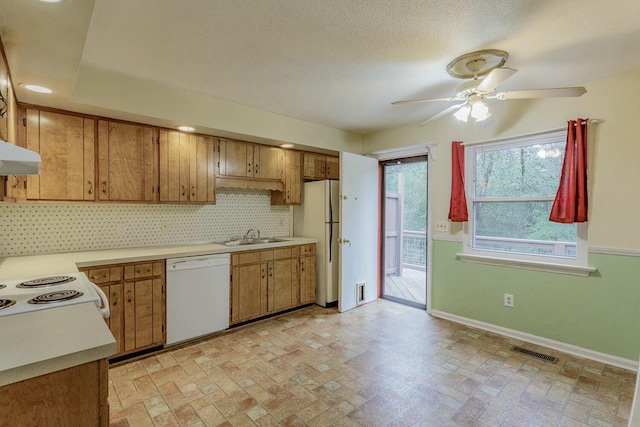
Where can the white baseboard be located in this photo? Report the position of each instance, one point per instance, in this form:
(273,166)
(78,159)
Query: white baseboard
(631,365)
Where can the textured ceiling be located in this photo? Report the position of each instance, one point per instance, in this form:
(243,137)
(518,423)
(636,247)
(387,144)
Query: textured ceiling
(332,62)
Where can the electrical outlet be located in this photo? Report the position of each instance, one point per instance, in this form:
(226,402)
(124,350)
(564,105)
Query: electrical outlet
(442,226)
(508,300)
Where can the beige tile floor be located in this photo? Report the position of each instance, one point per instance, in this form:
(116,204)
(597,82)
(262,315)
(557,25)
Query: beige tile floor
(382,364)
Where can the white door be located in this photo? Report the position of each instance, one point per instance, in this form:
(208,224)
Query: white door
(358,230)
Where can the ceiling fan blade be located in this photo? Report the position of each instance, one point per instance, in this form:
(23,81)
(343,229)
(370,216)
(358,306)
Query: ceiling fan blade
(414,101)
(542,93)
(441,114)
(495,78)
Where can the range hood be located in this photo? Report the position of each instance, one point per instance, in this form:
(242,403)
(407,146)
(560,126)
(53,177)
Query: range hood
(16,160)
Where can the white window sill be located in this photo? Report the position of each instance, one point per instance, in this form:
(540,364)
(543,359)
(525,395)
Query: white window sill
(528,265)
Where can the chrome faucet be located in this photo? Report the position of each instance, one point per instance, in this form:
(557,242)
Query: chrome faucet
(250,231)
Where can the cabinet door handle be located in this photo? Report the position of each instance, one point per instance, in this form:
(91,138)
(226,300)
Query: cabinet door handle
(249,164)
(90,190)
(17,182)
(114,298)
(193,191)
(129,296)
(184,190)
(256,169)
(104,187)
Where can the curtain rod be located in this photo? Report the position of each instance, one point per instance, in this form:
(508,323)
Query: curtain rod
(525,135)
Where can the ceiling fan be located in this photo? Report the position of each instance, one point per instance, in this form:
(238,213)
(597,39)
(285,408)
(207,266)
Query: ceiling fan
(471,94)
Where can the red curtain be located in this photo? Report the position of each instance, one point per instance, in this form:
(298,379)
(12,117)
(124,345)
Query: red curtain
(458,203)
(570,204)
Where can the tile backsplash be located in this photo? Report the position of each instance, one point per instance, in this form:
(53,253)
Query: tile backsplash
(31,229)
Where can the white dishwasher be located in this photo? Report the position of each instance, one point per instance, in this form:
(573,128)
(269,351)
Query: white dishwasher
(197,296)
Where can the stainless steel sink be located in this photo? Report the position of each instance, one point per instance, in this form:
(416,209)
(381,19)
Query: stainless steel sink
(242,242)
(267,240)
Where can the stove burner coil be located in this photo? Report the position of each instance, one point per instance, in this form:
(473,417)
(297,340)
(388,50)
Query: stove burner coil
(57,296)
(46,281)
(6,303)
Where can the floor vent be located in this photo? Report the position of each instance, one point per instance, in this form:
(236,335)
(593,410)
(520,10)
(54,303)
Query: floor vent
(541,356)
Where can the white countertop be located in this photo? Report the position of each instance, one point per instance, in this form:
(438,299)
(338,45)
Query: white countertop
(44,341)
(43,265)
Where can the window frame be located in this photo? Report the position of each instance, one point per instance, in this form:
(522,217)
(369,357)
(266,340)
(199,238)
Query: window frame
(552,263)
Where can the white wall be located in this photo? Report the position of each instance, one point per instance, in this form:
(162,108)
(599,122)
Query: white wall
(614,169)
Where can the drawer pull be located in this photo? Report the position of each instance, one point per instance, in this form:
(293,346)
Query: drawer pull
(129,296)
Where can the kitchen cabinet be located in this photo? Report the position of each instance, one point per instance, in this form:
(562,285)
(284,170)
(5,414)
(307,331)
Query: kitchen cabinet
(75,396)
(127,162)
(320,166)
(269,281)
(292,192)
(187,167)
(249,281)
(136,296)
(66,144)
(246,165)
(308,273)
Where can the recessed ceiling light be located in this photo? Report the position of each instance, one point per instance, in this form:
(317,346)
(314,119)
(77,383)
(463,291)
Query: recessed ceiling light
(286,145)
(36,88)
(186,128)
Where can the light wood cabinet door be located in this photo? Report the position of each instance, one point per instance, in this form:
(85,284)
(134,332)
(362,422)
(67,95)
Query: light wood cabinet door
(249,291)
(280,286)
(267,162)
(187,172)
(292,171)
(66,144)
(115,319)
(307,273)
(332,167)
(314,166)
(75,396)
(235,159)
(174,166)
(127,157)
(320,166)
(144,313)
(202,175)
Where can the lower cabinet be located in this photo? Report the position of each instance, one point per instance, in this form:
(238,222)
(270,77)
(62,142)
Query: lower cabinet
(308,274)
(136,293)
(269,281)
(75,396)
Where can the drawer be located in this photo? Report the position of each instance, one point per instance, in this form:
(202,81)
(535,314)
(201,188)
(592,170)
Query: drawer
(309,249)
(266,255)
(105,274)
(137,271)
(251,257)
(282,253)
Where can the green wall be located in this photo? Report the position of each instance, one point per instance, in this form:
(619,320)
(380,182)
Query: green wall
(600,312)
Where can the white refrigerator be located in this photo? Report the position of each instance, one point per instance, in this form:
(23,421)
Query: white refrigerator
(318,218)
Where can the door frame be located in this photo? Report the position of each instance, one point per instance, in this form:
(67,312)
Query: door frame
(425,149)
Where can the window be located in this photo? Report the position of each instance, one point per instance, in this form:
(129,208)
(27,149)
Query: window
(510,188)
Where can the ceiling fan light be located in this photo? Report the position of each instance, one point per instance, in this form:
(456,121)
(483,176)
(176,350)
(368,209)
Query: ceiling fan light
(463,113)
(479,111)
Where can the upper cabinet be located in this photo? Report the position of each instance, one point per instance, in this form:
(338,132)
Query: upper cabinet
(292,192)
(67,149)
(127,159)
(187,167)
(247,165)
(320,166)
